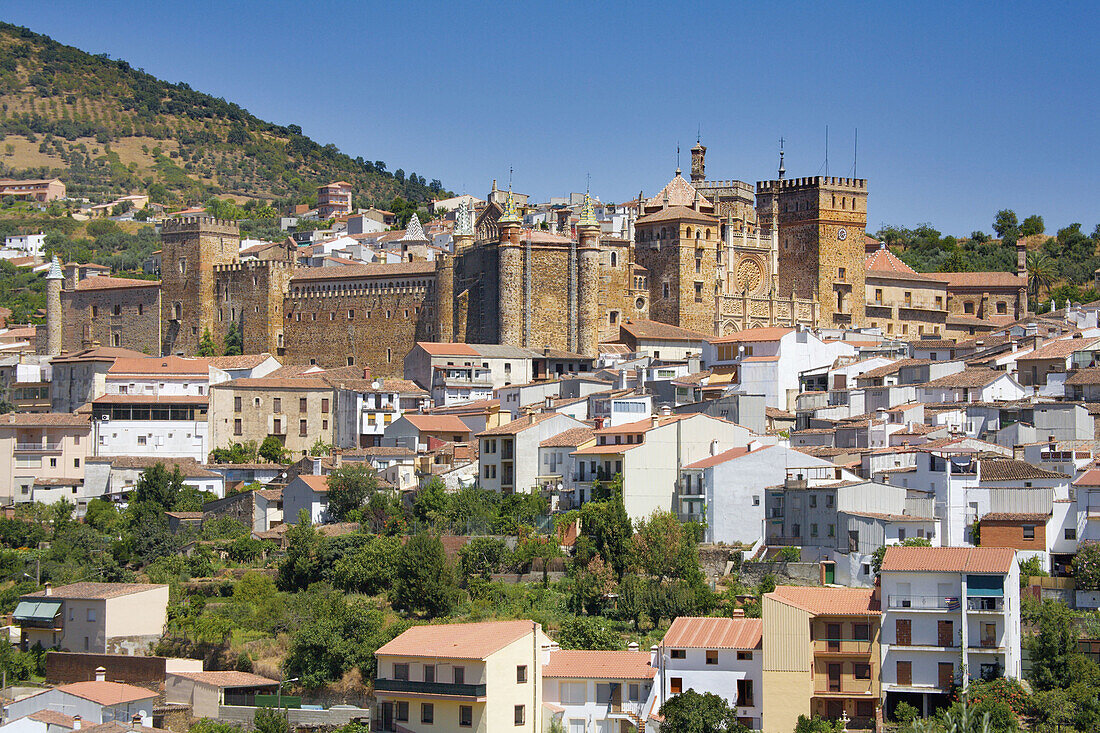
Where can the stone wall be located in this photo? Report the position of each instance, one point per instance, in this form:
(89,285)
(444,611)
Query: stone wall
(785,573)
(191,247)
(66,667)
(128,318)
(251,294)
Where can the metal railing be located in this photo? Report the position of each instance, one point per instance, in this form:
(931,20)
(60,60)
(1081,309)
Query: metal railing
(985,603)
(946,603)
(35,447)
(430,688)
(846,686)
(842,646)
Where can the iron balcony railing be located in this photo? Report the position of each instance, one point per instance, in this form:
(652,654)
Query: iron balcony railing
(430,688)
(946,603)
(842,646)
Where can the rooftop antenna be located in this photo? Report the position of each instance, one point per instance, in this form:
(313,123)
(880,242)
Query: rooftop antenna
(826,151)
(587,182)
(677,156)
(855,154)
(699,134)
(782,169)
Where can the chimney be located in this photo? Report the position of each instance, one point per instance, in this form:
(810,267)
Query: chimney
(76,722)
(654,420)
(337,457)
(653,653)
(49,589)
(632,646)
(100,674)
(366,372)
(738,613)
(135,721)
(666,410)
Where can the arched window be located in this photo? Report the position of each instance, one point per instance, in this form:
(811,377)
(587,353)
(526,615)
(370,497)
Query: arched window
(689,233)
(708,234)
(614,259)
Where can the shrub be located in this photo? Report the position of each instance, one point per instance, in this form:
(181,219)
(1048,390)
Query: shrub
(905,713)
(1086,566)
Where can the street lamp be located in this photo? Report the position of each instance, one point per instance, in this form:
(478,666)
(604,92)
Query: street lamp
(844,719)
(279,696)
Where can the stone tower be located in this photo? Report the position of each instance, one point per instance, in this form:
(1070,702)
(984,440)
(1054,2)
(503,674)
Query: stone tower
(461,239)
(821,251)
(588,280)
(191,247)
(698,163)
(510,278)
(53,308)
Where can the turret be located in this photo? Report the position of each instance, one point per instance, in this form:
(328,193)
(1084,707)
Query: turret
(588,280)
(698,164)
(510,272)
(53,308)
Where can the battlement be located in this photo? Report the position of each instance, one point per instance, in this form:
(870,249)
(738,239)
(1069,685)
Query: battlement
(805,184)
(351,291)
(255,265)
(197,223)
(725,184)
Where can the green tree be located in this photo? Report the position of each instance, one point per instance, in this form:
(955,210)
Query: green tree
(271,720)
(1040,273)
(691,712)
(1006,224)
(320,448)
(880,552)
(272,450)
(371,568)
(1052,649)
(818,725)
(482,556)
(432,503)
(234,340)
(608,527)
(425,581)
(1032,225)
(664,548)
(206,346)
(348,487)
(588,632)
(301,564)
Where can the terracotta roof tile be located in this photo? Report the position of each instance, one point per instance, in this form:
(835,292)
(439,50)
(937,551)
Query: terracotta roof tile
(696,632)
(676,213)
(52,717)
(107,693)
(352,272)
(680,193)
(979,279)
(603,665)
(457,641)
(570,438)
(773,333)
(98,591)
(884,262)
(1011,469)
(643,329)
(974,377)
(1060,349)
(317,483)
(829,601)
(105,282)
(1087,376)
(241,361)
(437,423)
(894,367)
(447,348)
(228,679)
(1015,517)
(724,456)
(948,559)
(159,365)
(45,419)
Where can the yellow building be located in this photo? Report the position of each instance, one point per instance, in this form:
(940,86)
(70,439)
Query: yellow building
(821,656)
(456,677)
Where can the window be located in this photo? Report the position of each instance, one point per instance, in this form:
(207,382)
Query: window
(679,654)
(91,614)
(861,632)
(968,306)
(712,656)
(427,713)
(302,428)
(1071,533)
(116,339)
(401,671)
(664,290)
(813,501)
(829,501)
(53,462)
(841,273)
(520,714)
(236,404)
(351,314)
(277,426)
(676,685)
(1029,531)
(573,693)
(401,711)
(141,440)
(324,404)
(878,295)
(861,671)
(743,656)
(756,500)
(744,693)
(465,715)
(301,404)
(76,463)
(1002,308)
(813,530)
(277,404)
(237,427)
(698,292)
(521,673)
(429,673)
(901,534)
(460,675)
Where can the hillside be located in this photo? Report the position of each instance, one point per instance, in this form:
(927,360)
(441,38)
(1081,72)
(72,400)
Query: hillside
(107,129)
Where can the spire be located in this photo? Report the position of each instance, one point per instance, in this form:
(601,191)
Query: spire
(588,214)
(510,216)
(464,221)
(55,270)
(782,170)
(414,232)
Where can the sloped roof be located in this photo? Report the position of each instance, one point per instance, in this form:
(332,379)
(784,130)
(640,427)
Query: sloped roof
(884,263)
(160,365)
(979,279)
(414,232)
(45,419)
(680,193)
(1086,376)
(570,438)
(1015,517)
(605,665)
(98,591)
(436,348)
(437,423)
(457,641)
(724,456)
(948,559)
(241,361)
(1060,349)
(351,272)
(644,329)
(750,335)
(892,368)
(317,483)
(829,601)
(228,679)
(695,632)
(105,282)
(1011,469)
(674,213)
(971,377)
(519,424)
(107,693)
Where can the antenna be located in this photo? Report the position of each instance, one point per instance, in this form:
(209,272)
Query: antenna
(826,151)
(509,178)
(855,154)
(677,155)
(699,134)
(587,182)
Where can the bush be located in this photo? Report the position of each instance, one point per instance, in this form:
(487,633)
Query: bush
(905,713)
(1086,566)
(789,554)
(588,633)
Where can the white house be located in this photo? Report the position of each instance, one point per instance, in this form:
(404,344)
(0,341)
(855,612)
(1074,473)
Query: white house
(366,407)
(950,614)
(972,385)
(768,361)
(509,453)
(309,493)
(23,245)
(558,465)
(95,702)
(723,656)
(597,690)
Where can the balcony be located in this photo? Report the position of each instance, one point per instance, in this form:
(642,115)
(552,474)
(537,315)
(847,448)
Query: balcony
(447,689)
(925,603)
(846,687)
(990,604)
(843,647)
(38,447)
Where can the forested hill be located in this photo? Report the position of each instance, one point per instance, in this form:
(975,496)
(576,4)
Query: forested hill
(107,129)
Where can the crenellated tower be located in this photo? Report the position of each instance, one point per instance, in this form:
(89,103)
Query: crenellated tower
(510,276)
(192,247)
(588,280)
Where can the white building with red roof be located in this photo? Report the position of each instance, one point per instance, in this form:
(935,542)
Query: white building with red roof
(598,690)
(950,615)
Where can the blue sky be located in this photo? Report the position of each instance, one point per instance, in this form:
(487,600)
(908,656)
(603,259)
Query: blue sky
(962,108)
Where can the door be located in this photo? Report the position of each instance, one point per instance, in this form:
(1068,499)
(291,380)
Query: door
(989,635)
(830,573)
(832,633)
(834,709)
(387,716)
(834,678)
(945,633)
(903,631)
(947,675)
(905,673)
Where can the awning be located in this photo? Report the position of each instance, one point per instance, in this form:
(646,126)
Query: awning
(36,610)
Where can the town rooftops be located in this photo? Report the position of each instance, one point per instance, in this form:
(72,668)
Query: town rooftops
(604,665)
(441,348)
(979,279)
(241,361)
(228,679)
(884,263)
(570,438)
(149,399)
(100,353)
(189,467)
(829,601)
(105,282)
(305,381)
(1059,349)
(1081,377)
(753,335)
(679,193)
(86,591)
(457,641)
(948,559)
(519,424)
(352,272)
(1011,469)
(1091,477)
(724,456)
(972,377)
(317,483)
(673,213)
(52,717)
(161,366)
(657,331)
(894,367)
(437,423)
(45,419)
(106,693)
(714,633)
(1016,517)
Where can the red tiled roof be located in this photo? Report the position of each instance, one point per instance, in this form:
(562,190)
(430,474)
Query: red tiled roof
(52,717)
(228,679)
(949,559)
(87,590)
(1090,477)
(714,633)
(603,665)
(1015,517)
(1011,469)
(829,601)
(643,329)
(107,693)
(771,333)
(436,348)
(437,423)
(457,641)
(160,365)
(1059,349)
(45,419)
(317,483)
(674,213)
(105,282)
(351,272)
(570,438)
(884,262)
(242,361)
(979,279)
(519,424)
(724,456)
